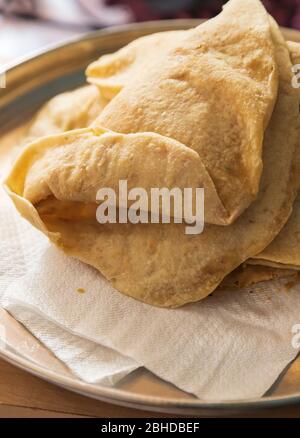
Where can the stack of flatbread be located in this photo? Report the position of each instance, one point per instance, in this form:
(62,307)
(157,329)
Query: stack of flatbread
(211,107)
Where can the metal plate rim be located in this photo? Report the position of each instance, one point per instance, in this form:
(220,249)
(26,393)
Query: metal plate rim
(120,396)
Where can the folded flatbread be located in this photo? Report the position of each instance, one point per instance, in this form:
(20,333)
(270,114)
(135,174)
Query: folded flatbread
(157,263)
(212,88)
(71,110)
(78,163)
(282,256)
(284,251)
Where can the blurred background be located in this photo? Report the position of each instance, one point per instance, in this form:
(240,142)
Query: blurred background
(26,25)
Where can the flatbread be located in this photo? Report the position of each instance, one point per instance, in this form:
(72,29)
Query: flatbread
(246,275)
(71,110)
(203,93)
(113,71)
(284,251)
(158,263)
(74,165)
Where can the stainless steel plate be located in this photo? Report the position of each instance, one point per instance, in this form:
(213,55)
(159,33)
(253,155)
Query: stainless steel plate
(29,84)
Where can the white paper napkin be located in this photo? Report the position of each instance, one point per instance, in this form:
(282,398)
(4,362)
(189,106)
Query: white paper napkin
(20,248)
(232,345)
(90,361)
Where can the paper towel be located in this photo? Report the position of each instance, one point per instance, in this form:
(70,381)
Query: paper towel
(232,345)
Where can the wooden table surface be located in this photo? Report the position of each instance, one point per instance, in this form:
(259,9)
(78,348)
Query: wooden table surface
(23,395)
